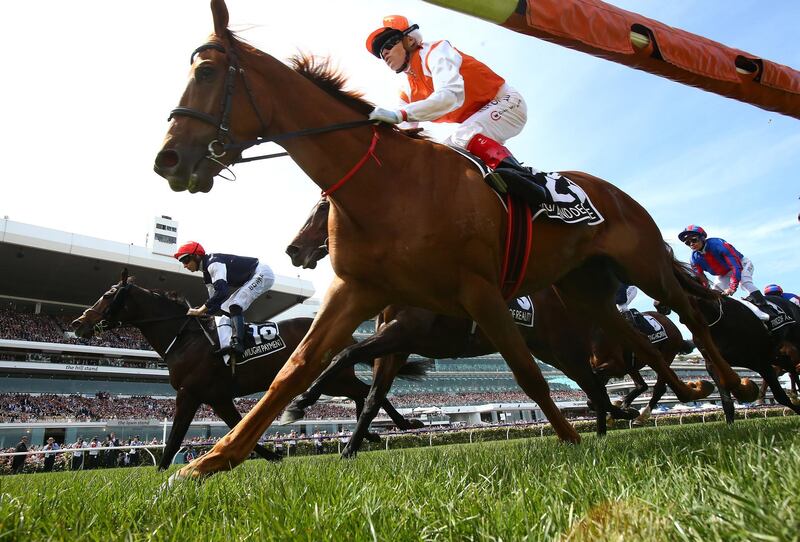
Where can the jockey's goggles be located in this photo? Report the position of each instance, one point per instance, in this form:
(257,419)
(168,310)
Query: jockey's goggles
(691,240)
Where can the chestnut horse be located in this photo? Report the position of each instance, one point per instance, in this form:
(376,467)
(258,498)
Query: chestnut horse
(557,337)
(198,374)
(415,224)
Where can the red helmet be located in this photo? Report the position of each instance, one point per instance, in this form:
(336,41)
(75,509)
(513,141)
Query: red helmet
(692,230)
(394,27)
(189,249)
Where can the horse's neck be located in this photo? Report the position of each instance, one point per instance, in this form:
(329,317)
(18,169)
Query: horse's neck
(297,104)
(160,333)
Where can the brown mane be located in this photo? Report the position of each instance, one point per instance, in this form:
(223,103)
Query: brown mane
(325,75)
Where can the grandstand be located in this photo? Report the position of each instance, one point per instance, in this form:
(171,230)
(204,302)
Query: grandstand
(54,384)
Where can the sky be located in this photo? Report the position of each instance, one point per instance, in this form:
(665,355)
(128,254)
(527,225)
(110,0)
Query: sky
(88,87)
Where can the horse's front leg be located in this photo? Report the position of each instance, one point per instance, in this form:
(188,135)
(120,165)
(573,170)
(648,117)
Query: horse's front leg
(485,305)
(346,305)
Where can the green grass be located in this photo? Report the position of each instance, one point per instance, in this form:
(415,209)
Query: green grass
(698,482)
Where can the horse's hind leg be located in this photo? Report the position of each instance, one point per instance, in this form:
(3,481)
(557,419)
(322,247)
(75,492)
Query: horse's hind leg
(724,395)
(229,414)
(591,289)
(387,368)
(391,337)
(659,389)
(346,305)
(778,393)
(486,307)
(639,388)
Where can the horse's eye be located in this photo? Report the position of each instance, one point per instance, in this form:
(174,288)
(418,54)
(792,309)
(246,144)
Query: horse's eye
(204,73)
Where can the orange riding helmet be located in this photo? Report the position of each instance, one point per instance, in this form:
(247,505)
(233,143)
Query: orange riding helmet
(395,27)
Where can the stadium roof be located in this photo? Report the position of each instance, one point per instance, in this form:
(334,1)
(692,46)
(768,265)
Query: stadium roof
(47,265)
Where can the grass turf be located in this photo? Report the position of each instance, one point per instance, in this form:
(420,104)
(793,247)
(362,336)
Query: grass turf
(698,482)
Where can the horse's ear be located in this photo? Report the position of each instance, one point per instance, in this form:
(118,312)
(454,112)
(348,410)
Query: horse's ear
(220,12)
(123,277)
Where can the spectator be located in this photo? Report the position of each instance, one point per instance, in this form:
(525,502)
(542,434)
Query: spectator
(50,458)
(78,457)
(18,462)
(317,442)
(94,454)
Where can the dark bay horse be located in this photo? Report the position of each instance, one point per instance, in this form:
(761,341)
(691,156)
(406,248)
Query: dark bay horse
(611,360)
(414,225)
(198,374)
(745,341)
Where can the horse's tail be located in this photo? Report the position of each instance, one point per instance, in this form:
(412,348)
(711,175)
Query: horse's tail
(687,347)
(415,369)
(688,280)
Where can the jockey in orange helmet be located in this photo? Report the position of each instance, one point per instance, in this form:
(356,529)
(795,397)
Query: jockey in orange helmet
(447,85)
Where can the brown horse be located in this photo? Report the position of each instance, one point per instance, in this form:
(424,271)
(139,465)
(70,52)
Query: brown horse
(560,339)
(415,225)
(610,360)
(195,371)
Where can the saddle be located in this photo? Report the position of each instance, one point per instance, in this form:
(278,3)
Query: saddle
(647,325)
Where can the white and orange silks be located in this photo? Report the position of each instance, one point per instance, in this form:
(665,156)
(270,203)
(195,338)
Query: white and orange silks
(446,85)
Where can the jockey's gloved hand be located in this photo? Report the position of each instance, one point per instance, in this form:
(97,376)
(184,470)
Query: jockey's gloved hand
(386,115)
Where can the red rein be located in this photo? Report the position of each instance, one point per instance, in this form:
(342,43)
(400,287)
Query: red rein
(370,152)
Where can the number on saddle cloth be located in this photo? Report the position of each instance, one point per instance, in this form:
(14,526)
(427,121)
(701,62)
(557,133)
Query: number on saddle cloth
(648,325)
(261,340)
(566,201)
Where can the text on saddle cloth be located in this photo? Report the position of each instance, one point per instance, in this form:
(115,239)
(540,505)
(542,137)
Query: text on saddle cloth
(567,201)
(261,340)
(773,322)
(521,309)
(658,333)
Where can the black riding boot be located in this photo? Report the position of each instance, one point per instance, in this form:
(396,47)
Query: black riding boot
(757,299)
(237,335)
(521,180)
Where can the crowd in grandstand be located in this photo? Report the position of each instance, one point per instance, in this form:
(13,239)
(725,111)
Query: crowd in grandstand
(23,326)
(102,406)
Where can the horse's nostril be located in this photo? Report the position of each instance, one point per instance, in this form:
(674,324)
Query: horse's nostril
(167,159)
(75,324)
(292,250)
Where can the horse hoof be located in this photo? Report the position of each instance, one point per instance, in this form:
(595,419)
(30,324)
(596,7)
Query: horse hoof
(291,416)
(702,388)
(347,453)
(628,414)
(274,457)
(747,392)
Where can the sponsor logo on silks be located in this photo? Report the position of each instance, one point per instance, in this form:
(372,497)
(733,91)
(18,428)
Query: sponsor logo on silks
(521,310)
(266,340)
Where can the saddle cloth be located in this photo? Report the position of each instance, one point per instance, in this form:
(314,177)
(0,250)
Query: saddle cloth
(566,201)
(261,340)
(773,322)
(521,309)
(647,325)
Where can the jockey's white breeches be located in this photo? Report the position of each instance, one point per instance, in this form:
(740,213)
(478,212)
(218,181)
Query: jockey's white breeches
(501,119)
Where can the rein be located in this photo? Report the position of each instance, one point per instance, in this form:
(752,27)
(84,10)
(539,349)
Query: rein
(223,142)
(720,313)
